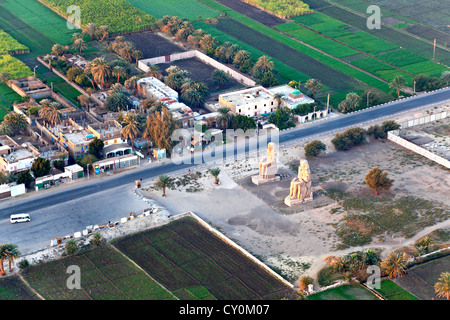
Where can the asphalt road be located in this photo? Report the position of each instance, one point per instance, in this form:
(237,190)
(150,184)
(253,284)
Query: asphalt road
(84,197)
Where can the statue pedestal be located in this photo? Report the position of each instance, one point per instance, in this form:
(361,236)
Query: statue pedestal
(292,202)
(258,180)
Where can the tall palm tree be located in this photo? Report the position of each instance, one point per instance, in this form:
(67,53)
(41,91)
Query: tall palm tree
(262,65)
(16,121)
(313,85)
(100,70)
(154,71)
(225,118)
(278,97)
(58,50)
(163,182)
(79,45)
(397,84)
(394,265)
(159,128)
(220,78)
(131,84)
(240,57)
(423,245)
(90,29)
(215,173)
(194,93)
(104,31)
(137,54)
(131,129)
(118,71)
(207,41)
(12,254)
(3,257)
(442,287)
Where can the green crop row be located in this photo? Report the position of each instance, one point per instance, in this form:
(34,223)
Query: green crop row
(119,15)
(10,45)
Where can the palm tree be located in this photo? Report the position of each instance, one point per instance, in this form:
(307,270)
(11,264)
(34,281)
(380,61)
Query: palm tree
(71,246)
(159,129)
(90,29)
(79,45)
(12,254)
(422,246)
(313,85)
(208,42)
(58,50)
(131,130)
(49,59)
(394,265)
(163,182)
(397,84)
(442,287)
(131,84)
(225,118)
(215,173)
(97,239)
(278,97)
(3,257)
(220,78)
(445,77)
(240,57)
(16,121)
(104,31)
(100,70)
(262,65)
(137,54)
(118,71)
(154,71)
(77,36)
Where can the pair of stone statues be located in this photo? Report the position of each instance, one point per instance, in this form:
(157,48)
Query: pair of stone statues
(300,189)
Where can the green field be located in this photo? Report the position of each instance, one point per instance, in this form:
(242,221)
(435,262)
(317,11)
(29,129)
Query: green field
(392,291)
(10,45)
(344,292)
(105,275)
(12,288)
(186,258)
(36,41)
(42,18)
(119,15)
(14,67)
(188,9)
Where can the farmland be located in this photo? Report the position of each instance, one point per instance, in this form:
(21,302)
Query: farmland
(9,45)
(189,9)
(42,18)
(119,15)
(345,292)
(105,274)
(285,9)
(14,67)
(392,291)
(12,288)
(184,255)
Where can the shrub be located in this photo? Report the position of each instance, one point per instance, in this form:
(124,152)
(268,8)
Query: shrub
(314,148)
(349,138)
(23,264)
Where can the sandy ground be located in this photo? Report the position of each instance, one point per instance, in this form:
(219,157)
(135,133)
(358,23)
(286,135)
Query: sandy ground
(295,241)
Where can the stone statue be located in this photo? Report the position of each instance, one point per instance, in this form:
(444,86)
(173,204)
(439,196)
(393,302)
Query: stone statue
(267,167)
(300,190)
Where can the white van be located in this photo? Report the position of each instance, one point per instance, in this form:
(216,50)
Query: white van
(21,217)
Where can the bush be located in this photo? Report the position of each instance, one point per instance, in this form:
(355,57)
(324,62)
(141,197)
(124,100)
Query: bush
(314,148)
(73,73)
(23,264)
(349,138)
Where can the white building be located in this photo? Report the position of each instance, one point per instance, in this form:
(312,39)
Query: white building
(153,88)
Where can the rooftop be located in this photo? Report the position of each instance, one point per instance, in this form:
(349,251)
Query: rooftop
(252,95)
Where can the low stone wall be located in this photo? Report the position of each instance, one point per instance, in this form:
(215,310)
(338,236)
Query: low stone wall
(394,137)
(144,63)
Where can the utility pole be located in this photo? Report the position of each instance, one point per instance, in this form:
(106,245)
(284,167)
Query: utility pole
(414,87)
(434,49)
(328,103)
(368,98)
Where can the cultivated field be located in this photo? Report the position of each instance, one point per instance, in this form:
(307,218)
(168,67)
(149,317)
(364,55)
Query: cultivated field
(188,9)
(9,45)
(12,288)
(153,45)
(345,292)
(41,18)
(105,274)
(119,15)
(392,291)
(202,72)
(183,255)
(420,280)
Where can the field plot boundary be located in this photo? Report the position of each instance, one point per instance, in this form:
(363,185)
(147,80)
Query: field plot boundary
(232,244)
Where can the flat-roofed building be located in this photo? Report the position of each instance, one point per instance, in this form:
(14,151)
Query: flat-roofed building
(15,158)
(153,88)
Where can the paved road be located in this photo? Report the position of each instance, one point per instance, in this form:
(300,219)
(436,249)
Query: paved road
(53,209)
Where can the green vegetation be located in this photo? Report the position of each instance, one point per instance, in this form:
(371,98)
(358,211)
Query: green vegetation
(9,45)
(105,274)
(344,292)
(43,19)
(392,291)
(189,9)
(12,288)
(119,15)
(14,67)
(283,8)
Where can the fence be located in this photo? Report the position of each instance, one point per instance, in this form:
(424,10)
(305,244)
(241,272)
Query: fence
(394,137)
(425,119)
(144,63)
